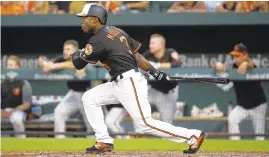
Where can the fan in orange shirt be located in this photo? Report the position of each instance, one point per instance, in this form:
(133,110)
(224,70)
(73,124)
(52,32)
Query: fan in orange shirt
(12,8)
(29,6)
(249,6)
(110,5)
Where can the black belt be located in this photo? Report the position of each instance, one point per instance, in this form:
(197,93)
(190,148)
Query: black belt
(114,78)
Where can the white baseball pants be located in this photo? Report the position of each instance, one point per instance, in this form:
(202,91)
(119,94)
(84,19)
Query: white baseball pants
(70,104)
(239,113)
(17,120)
(131,91)
(114,118)
(165,102)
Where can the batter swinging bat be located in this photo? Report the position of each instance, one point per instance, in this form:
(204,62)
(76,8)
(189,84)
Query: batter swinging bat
(212,79)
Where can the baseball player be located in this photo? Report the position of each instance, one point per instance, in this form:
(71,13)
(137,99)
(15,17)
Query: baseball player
(163,95)
(71,102)
(114,116)
(251,100)
(119,53)
(16,99)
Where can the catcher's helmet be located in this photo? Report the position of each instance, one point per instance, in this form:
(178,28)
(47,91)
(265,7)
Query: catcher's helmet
(94,10)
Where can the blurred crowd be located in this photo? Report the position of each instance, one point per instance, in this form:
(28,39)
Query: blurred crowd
(116,7)
(219,6)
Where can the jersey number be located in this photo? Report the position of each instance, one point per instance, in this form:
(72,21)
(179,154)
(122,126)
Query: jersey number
(123,39)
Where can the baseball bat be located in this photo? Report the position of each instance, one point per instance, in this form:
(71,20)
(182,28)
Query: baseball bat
(218,80)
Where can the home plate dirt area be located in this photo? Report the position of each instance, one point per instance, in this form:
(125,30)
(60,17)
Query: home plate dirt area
(132,154)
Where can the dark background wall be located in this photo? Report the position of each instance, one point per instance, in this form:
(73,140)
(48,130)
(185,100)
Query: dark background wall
(193,39)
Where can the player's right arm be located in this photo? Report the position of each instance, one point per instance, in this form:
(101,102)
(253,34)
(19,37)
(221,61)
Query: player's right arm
(93,52)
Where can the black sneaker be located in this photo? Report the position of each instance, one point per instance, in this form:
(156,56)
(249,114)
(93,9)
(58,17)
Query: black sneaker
(100,147)
(194,148)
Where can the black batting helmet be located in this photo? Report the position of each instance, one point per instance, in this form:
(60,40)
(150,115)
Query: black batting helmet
(94,10)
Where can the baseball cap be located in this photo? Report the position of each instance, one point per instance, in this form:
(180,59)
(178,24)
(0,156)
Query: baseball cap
(239,50)
(94,10)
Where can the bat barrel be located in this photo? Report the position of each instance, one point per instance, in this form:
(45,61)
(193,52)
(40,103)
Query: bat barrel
(218,80)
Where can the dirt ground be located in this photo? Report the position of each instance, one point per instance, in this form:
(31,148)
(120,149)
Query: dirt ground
(134,154)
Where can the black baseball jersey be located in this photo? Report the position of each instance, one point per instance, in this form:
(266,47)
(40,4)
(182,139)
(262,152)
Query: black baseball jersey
(164,87)
(249,94)
(78,86)
(114,48)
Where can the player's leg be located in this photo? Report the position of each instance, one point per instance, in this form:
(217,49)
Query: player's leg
(63,111)
(114,118)
(234,119)
(17,119)
(135,101)
(167,104)
(258,115)
(79,103)
(93,100)
(152,98)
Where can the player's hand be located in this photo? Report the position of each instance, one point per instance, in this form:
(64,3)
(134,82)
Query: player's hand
(161,76)
(76,54)
(5,114)
(41,61)
(47,66)
(242,68)
(219,67)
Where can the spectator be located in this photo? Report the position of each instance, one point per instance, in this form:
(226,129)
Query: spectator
(251,100)
(264,7)
(212,5)
(132,6)
(28,5)
(253,6)
(188,6)
(111,6)
(52,8)
(229,6)
(16,96)
(62,6)
(42,7)
(76,7)
(12,8)
(71,103)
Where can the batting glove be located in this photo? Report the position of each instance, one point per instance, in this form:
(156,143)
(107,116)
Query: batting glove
(161,76)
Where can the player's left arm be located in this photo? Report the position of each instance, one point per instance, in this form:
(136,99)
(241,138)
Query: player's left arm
(141,61)
(145,65)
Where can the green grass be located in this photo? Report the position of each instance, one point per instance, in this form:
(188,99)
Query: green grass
(78,144)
